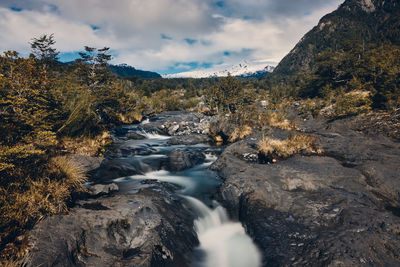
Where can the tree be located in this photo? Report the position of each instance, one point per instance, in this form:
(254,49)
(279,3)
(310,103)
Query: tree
(94,67)
(43,50)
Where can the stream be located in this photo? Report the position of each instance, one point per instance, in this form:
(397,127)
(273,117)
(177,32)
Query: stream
(223,242)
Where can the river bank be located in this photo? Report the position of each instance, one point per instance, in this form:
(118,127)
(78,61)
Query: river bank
(339,208)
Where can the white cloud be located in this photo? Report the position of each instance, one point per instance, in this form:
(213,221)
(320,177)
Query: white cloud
(254,29)
(18,28)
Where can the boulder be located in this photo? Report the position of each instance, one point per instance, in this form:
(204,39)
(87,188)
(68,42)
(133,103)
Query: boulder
(179,160)
(135,136)
(103,189)
(88,163)
(114,168)
(151,228)
(338,209)
(179,123)
(192,139)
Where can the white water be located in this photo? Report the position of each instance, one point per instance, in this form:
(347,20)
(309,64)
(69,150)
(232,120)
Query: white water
(225,243)
(164,176)
(155,136)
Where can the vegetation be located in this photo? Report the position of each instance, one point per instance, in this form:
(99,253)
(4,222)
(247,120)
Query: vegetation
(49,109)
(272,150)
(351,49)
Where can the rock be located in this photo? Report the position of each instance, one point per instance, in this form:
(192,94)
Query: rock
(319,210)
(192,139)
(151,228)
(120,131)
(172,130)
(114,168)
(179,160)
(118,151)
(179,123)
(103,189)
(135,136)
(87,162)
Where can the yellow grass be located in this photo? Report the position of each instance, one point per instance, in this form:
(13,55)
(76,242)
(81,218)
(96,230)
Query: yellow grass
(87,146)
(130,117)
(240,133)
(35,199)
(277,120)
(274,149)
(73,172)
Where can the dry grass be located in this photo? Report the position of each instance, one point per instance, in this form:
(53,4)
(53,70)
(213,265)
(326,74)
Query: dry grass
(87,146)
(73,172)
(312,106)
(240,133)
(35,199)
(273,149)
(276,119)
(130,118)
(10,263)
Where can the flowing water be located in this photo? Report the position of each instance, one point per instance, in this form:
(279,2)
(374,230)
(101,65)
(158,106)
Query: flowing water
(223,243)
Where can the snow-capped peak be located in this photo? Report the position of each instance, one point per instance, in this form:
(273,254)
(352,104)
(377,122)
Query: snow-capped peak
(242,69)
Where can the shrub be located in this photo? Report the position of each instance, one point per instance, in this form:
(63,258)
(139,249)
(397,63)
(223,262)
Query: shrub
(353,103)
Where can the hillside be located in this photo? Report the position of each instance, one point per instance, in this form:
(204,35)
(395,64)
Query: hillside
(355,22)
(124,70)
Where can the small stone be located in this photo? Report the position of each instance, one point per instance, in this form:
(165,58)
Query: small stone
(103,189)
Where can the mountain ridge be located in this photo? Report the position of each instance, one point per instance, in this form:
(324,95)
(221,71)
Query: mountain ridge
(124,70)
(362,21)
(244,69)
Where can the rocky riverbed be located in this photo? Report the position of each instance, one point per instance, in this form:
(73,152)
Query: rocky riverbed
(339,209)
(144,224)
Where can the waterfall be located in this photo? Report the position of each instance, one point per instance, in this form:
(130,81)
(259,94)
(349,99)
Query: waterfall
(224,243)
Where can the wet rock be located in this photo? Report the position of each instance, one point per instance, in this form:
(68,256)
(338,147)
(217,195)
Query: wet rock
(172,129)
(118,151)
(120,131)
(179,160)
(114,168)
(103,189)
(192,139)
(180,123)
(135,136)
(319,210)
(88,163)
(151,228)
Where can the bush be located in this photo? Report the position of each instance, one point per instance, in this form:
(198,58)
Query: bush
(353,103)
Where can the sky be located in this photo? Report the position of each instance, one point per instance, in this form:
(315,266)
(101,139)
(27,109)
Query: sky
(167,36)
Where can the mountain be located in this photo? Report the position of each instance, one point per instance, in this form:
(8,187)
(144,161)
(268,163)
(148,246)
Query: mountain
(355,22)
(124,70)
(244,69)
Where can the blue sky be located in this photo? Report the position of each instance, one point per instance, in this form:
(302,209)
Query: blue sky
(167,36)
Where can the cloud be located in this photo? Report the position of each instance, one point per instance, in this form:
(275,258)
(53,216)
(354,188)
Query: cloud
(17,29)
(161,34)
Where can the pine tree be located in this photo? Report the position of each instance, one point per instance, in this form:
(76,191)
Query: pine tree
(43,50)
